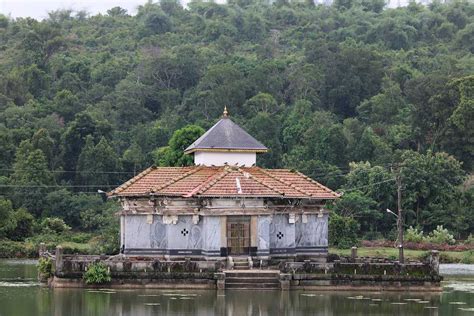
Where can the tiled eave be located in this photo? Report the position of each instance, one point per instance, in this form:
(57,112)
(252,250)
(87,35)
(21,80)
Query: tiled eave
(223,182)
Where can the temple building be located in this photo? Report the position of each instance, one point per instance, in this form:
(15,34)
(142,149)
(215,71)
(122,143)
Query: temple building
(224,205)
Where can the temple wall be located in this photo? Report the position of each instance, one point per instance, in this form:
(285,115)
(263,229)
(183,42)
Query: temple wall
(263,235)
(222,158)
(182,235)
(312,233)
(212,235)
(137,232)
(282,234)
(148,234)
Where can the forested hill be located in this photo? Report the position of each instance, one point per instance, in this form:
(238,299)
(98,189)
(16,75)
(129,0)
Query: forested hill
(348,94)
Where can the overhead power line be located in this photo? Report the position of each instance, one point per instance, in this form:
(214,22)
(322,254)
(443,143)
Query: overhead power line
(56,186)
(74,171)
(368,185)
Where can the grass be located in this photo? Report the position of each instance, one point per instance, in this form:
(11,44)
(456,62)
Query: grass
(446,256)
(77,247)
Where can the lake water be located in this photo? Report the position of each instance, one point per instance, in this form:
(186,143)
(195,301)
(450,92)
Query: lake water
(20,294)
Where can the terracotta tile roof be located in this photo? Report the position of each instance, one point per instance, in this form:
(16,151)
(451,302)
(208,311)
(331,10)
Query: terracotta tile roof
(223,181)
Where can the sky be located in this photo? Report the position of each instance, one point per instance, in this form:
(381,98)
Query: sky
(39,9)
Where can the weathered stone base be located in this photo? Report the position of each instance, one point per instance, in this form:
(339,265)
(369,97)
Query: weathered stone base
(305,282)
(368,288)
(204,284)
(329,282)
(288,274)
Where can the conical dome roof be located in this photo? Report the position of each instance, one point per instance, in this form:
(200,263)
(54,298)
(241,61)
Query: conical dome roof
(225,135)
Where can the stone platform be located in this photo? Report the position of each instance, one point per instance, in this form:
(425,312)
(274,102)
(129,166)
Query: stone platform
(239,273)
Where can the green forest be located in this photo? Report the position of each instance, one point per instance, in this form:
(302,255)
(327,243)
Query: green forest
(353,95)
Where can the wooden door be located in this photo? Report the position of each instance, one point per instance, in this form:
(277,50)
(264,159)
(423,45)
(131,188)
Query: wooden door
(238,235)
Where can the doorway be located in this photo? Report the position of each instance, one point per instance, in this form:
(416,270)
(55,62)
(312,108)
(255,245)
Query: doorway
(238,235)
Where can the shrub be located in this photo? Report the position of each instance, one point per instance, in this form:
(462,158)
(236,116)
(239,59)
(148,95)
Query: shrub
(14,249)
(54,225)
(373,235)
(97,273)
(24,225)
(440,236)
(468,257)
(45,267)
(343,231)
(7,222)
(80,238)
(470,240)
(413,235)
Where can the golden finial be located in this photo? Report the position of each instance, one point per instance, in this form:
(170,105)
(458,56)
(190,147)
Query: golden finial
(225,114)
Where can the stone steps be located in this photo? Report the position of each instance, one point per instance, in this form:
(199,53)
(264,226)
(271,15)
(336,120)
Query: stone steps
(252,279)
(252,286)
(235,280)
(241,264)
(251,274)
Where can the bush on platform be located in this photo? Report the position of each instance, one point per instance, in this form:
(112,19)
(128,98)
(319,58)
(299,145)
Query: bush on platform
(97,273)
(45,267)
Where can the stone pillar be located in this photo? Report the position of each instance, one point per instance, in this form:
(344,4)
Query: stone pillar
(59,260)
(223,220)
(254,231)
(220,277)
(354,253)
(285,281)
(434,261)
(400,254)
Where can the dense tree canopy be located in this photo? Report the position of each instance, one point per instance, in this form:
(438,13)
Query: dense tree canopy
(349,94)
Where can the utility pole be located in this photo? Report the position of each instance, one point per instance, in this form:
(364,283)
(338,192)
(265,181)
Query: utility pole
(401,258)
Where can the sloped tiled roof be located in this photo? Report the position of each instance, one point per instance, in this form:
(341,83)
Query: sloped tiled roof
(224,181)
(226,135)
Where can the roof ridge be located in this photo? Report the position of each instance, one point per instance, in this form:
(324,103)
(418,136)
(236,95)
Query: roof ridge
(261,181)
(209,184)
(318,184)
(199,188)
(132,180)
(175,179)
(284,181)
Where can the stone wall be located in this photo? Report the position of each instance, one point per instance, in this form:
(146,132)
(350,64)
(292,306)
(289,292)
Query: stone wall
(279,235)
(148,272)
(182,236)
(302,235)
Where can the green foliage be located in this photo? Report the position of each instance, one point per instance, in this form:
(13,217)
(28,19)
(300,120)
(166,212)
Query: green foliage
(6,214)
(109,241)
(470,239)
(54,225)
(15,249)
(440,236)
(468,257)
(24,225)
(342,93)
(97,273)
(430,183)
(173,154)
(45,266)
(343,231)
(97,163)
(357,205)
(413,235)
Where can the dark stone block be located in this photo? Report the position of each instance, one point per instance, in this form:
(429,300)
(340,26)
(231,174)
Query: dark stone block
(127,266)
(157,266)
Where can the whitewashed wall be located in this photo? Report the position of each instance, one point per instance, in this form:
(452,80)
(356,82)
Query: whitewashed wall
(220,158)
